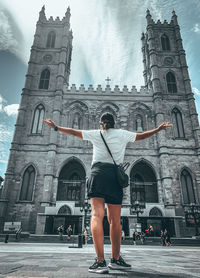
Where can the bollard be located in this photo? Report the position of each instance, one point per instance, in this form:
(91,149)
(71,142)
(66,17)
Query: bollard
(80,241)
(6,238)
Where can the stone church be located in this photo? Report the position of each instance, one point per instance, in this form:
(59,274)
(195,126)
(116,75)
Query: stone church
(44,184)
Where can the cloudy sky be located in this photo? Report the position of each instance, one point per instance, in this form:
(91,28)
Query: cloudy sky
(106,43)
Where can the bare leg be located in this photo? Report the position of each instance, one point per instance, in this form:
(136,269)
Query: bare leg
(98,211)
(114,212)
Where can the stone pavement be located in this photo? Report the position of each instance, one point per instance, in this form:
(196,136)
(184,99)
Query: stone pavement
(58,260)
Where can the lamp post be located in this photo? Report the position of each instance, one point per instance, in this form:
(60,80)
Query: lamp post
(137,208)
(193,210)
(86,207)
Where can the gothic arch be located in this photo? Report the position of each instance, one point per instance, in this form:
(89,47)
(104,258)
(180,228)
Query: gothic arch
(71,182)
(28,175)
(140,106)
(64,210)
(76,105)
(77,114)
(142,111)
(170,77)
(67,161)
(178,123)
(106,107)
(143,182)
(149,163)
(51,38)
(165,42)
(155,212)
(45,76)
(188,195)
(38,116)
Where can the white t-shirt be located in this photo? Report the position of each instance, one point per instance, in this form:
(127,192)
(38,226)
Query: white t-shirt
(116,140)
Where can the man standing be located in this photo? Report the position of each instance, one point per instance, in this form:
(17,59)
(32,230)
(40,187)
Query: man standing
(103,186)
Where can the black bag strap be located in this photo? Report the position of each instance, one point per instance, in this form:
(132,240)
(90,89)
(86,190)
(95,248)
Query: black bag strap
(107,147)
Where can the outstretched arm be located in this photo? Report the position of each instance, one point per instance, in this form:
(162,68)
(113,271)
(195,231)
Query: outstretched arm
(65,130)
(146,134)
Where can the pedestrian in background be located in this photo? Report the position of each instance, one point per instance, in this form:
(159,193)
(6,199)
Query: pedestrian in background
(123,235)
(134,238)
(69,232)
(60,232)
(162,238)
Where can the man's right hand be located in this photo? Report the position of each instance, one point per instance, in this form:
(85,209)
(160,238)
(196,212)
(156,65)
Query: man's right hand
(50,123)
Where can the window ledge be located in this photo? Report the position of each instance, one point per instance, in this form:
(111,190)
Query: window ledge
(35,134)
(177,138)
(23,201)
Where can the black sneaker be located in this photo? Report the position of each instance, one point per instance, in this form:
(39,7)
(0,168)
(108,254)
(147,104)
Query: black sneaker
(99,267)
(119,264)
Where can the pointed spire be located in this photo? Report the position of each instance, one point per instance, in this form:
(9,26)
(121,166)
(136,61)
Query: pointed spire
(148,12)
(42,16)
(148,17)
(68,14)
(174,17)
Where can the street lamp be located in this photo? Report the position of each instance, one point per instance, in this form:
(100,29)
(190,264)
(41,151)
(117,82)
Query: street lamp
(137,208)
(86,207)
(193,210)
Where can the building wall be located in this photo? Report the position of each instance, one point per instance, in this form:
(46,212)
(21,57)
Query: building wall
(49,151)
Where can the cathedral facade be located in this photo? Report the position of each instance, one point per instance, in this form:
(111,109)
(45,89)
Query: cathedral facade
(45,185)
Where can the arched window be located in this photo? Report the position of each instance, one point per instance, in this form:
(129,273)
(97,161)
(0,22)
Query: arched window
(26,193)
(155,212)
(71,182)
(165,42)
(171,83)
(187,188)
(64,210)
(44,79)
(37,120)
(177,124)
(51,39)
(143,183)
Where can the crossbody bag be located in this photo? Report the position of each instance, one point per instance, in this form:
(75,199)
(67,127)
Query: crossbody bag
(122,177)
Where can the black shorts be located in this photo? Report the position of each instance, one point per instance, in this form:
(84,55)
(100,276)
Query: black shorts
(103,184)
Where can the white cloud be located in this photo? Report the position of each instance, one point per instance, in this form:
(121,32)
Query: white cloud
(11,109)
(7,40)
(2,103)
(196,91)
(196,28)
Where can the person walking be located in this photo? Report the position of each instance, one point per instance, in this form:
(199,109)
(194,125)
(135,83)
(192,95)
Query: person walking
(60,232)
(69,232)
(86,236)
(142,237)
(134,238)
(167,238)
(162,238)
(123,235)
(103,186)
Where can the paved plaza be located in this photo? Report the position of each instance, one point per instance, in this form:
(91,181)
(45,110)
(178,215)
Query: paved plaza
(59,260)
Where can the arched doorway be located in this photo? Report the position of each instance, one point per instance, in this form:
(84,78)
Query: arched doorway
(143,183)
(71,182)
(155,221)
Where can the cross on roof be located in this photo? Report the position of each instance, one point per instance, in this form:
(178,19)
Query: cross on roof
(107,79)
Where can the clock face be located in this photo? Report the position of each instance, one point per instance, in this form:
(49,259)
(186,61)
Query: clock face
(47,58)
(168,61)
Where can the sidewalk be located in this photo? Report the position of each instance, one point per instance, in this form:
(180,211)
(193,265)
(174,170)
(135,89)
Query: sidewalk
(58,260)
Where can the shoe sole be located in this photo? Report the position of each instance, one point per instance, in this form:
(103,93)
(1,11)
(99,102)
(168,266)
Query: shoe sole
(99,271)
(118,267)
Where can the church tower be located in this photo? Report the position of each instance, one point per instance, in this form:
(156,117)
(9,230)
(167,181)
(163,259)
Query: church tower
(166,75)
(48,72)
